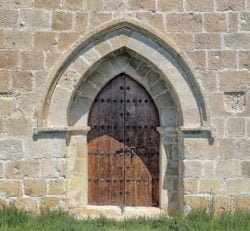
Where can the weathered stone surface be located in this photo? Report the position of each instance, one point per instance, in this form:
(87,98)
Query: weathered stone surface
(73,4)
(11,188)
(207,41)
(66,40)
(208,168)
(233,22)
(234,81)
(55,4)
(196,202)
(245,169)
(18,39)
(52,203)
(35,19)
(95,5)
(45,40)
(237,186)
(31,60)
(212,186)
(11,149)
(35,187)
(4,81)
(222,203)
(184,22)
(81,22)
(19,127)
(111,5)
(228,168)
(1,39)
(97,18)
(27,204)
(190,185)
(53,168)
(154,20)
(230,5)
(8,18)
(196,5)
(182,40)
(51,59)
(8,59)
(22,169)
(62,21)
(235,127)
(1,170)
(3,203)
(192,168)
(56,187)
(245,21)
(244,59)
(8,106)
(211,26)
(198,59)
(237,41)
(221,60)
(22,81)
(174,5)
(141,5)
(242,202)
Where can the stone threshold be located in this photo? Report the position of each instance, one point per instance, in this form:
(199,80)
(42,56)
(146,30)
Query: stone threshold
(116,212)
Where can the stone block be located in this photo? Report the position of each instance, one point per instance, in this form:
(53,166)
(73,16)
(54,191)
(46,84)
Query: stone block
(45,40)
(174,5)
(51,59)
(208,80)
(242,149)
(236,127)
(1,39)
(154,20)
(3,203)
(225,148)
(233,81)
(237,186)
(9,18)
(73,4)
(215,22)
(230,5)
(18,39)
(184,22)
(22,81)
(26,204)
(8,59)
(237,41)
(11,188)
(19,127)
(211,186)
(222,203)
(35,19)
(208,169)
(182,40)
(52,203)
(22,169)
(81,22)
(62,20)
(190,185)
(192,168)
(221,59)
(7,105)
(96,5)
(242,202)
(207,41)
(56,187)
(245,21)
(235,102)
(228,168)
(197,5)
(31,60)
(245,169)
(198,59)
(53,168)
(196,202)
(111,5)
(4,81)
(244,57)
(47,4)
(46,147)
(97,18)
(233,21)
(11,149)
(35,188)
(67,39)
(141,5)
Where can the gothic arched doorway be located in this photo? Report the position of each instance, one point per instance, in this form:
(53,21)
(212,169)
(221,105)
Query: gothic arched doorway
(123,146)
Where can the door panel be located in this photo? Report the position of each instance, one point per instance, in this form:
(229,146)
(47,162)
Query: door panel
(123,144)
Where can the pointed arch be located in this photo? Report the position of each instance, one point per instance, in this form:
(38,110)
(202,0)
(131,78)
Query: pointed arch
(149,45)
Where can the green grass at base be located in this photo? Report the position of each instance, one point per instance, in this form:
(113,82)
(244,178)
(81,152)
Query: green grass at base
(13,220)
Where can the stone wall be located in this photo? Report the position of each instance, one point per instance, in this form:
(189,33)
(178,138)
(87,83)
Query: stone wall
(213,34)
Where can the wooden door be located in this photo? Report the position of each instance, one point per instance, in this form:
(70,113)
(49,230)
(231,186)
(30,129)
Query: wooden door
(123,144)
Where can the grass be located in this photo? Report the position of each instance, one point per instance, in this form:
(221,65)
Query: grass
(13,220)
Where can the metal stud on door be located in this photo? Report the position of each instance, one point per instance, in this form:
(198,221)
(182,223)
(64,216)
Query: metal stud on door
(123,161)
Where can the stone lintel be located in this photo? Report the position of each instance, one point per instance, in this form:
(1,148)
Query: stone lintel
(69,129)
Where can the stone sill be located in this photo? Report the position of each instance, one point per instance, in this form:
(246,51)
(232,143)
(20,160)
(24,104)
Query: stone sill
(69,129)
(115,212)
